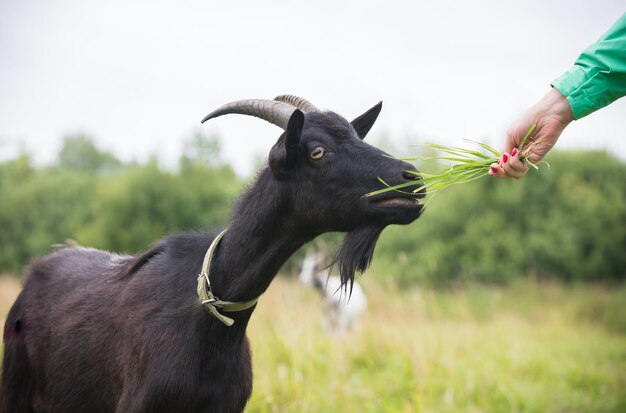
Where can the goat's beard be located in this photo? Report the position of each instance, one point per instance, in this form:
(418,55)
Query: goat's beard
(355,254)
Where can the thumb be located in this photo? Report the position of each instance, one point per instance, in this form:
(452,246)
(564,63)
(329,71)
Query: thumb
(512,139)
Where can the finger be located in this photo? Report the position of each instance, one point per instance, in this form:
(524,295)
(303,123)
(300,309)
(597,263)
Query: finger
(496,170)
(504,163)
(509,145)
(512,138)
(511,173)
(512,166)
(516,164)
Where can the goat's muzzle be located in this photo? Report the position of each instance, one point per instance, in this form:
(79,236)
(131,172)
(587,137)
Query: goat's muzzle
(401,206)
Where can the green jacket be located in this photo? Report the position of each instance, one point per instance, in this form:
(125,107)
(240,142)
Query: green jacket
(599,75)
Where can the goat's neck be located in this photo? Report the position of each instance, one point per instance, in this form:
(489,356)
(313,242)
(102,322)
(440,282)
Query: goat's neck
(260,238)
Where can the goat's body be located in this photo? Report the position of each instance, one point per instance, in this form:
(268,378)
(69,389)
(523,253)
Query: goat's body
(97,332)
(81,309)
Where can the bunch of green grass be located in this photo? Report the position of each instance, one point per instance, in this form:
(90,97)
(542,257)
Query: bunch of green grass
(467,165)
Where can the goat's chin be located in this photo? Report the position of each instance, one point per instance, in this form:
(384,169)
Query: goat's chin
(396,213)
(356,252)
(405,217)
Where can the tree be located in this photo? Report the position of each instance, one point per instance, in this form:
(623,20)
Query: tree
(201,148)
(81,154)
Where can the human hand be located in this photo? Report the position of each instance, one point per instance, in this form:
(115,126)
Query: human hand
(551,115)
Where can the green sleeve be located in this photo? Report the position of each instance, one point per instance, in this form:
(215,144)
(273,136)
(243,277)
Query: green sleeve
(598,76)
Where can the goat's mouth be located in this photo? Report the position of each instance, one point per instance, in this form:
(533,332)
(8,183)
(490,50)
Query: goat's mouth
(398,202)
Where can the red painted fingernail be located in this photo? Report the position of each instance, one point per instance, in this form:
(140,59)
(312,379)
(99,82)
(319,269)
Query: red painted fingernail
(494,169)
(514,152)
(505,157)
(499,161)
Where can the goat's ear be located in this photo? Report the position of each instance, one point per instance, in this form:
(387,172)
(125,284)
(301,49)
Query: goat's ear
(364,123)
(284,153)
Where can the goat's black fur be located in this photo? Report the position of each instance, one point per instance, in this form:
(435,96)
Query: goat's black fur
(356,253)
(97,332)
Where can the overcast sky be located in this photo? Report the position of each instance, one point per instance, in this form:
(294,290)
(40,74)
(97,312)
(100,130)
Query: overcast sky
(139,76)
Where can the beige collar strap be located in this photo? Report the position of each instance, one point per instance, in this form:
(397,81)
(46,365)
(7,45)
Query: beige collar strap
(211,302)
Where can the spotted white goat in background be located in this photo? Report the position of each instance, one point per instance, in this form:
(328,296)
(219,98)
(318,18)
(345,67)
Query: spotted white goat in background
(340,310)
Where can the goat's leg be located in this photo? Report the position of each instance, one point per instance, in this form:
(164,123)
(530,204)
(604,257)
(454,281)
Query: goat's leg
(16,384)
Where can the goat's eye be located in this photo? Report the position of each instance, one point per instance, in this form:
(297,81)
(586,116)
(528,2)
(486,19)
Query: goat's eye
(318,152)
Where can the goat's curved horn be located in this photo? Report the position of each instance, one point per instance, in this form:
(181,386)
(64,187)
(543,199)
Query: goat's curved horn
(272,111)
(301,103)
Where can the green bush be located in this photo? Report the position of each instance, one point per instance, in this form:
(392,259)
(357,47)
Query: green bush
(566,222)
(39,208)
(97,201)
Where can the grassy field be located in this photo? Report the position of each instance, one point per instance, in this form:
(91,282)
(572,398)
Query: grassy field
(523,348)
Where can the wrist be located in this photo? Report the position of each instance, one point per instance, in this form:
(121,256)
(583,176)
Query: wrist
(555,104)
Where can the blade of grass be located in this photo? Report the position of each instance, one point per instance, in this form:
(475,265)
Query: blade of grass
(468,165)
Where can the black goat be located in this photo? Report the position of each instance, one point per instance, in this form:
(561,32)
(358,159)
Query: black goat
(97,332)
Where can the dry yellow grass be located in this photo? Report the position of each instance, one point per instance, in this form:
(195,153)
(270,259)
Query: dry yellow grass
(523,348)
(9,289)
(517,349)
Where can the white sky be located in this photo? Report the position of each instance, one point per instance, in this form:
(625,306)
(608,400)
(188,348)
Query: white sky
(139,75)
